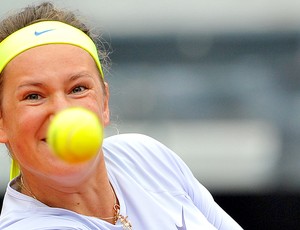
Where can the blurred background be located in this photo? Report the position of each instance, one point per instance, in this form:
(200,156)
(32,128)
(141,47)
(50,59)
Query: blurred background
(216,81)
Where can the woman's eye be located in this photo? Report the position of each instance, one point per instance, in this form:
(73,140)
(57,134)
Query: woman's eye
(33,96)
(78,89)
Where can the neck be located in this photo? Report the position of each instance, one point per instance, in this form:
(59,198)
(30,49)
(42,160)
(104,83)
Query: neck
(93,197)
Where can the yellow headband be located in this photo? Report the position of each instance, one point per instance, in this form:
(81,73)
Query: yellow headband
(43,33)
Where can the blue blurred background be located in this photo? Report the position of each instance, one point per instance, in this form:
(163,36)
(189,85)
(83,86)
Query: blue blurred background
(216,81)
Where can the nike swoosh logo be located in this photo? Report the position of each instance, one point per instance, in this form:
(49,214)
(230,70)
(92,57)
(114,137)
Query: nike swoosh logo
(183,227)
(38,33)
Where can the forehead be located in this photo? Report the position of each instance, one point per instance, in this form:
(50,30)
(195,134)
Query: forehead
(54,62)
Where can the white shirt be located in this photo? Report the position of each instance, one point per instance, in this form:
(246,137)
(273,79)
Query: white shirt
(156,190)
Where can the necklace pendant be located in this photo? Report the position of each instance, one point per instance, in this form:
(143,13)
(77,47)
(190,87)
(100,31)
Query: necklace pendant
(125,222)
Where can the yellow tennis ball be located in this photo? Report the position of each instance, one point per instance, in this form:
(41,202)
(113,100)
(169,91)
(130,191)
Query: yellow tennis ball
(75,134)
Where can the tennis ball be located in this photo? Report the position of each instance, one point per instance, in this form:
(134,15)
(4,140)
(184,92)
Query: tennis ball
(75,134)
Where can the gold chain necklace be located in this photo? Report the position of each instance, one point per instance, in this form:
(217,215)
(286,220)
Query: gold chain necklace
(22,186)
(123,219)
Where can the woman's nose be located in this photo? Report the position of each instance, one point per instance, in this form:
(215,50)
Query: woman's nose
(60,102)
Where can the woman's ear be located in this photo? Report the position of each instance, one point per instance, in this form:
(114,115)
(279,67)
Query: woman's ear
(106,113)
(3,135)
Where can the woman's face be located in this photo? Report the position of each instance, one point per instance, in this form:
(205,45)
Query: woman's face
(37,84)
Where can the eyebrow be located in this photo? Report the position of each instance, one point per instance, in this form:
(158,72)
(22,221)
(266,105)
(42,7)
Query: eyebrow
(79,75)
(30,83)
(27,83)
